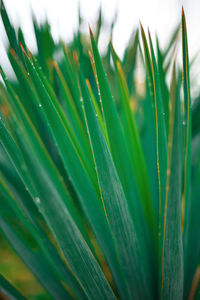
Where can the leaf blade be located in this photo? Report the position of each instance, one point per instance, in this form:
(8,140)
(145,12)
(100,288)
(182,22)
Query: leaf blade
(115,204)
(172,251)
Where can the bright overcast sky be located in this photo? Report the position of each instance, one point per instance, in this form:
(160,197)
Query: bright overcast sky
(160,15)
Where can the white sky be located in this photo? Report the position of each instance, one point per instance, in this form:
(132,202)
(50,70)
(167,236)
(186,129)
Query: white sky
(160,15)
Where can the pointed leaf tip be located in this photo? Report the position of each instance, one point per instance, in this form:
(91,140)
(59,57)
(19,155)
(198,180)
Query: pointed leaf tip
(2,5)
(90,30)
(22,48)
(183,16)
(149,33)
(142,28)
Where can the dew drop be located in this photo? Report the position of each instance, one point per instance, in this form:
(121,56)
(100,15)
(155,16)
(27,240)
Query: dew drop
(96,115)
(81,99)
(37,200)
(184,123)
(40,105)
(26,188)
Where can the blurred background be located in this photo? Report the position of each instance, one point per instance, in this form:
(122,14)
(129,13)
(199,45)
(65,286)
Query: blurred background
(160,15)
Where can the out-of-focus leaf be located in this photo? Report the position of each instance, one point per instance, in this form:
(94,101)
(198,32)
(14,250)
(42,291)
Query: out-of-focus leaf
(8,290)
(129,61)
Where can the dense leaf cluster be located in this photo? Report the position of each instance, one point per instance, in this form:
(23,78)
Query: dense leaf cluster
(99,176)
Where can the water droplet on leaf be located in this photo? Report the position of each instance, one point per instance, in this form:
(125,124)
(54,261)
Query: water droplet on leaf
(37,200)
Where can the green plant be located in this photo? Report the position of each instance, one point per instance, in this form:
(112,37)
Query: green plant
(100,195)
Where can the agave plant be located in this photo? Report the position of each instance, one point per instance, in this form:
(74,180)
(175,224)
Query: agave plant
(99,180)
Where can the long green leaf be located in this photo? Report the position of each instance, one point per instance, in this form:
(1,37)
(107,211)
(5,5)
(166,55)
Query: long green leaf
(8,290)
(117,142)
(172,251)
(115,206)
(134,145)
(186,199)
(193,224)
(35,263)
(47,250)
(159,123)
(10,31)
(187,120)
(87,195)
(85,267)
